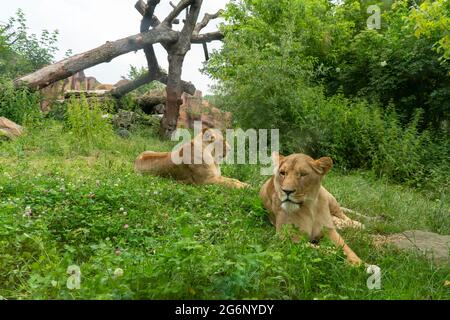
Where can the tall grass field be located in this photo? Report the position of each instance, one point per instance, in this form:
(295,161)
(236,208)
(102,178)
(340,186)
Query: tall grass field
(64,203)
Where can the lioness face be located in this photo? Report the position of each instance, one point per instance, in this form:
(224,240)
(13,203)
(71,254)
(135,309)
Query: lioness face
(298,179)
(214,141)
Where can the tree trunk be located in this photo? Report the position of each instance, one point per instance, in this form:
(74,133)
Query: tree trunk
(174,91)
(105,53)
(177,51)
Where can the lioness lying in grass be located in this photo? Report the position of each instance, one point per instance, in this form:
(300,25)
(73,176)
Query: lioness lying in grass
(294,195)
(196,162)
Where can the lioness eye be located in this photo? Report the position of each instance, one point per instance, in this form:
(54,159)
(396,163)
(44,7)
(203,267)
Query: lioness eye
(282,173)
(303,174)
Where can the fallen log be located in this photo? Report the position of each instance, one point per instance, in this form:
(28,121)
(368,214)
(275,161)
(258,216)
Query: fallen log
(105,53)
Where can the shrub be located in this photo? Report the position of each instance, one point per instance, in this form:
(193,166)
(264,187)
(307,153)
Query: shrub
(356,134)
(87,123)
(18,105)
(312,69)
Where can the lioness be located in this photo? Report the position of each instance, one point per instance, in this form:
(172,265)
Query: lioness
(294,195)
(197,162)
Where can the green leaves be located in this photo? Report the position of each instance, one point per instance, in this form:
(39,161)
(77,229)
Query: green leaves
(87,124)
(432,20)
(25,52)
(367,98)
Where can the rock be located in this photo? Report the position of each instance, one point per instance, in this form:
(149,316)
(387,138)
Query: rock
(106,87)
(195,108)
(122,82)
(9,129)
(79,82)
(152,100)
(432,245)
(124,119)
(128,120)
(123,133)
(159,109)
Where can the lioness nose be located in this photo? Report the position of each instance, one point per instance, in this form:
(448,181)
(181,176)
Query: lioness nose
(288,192)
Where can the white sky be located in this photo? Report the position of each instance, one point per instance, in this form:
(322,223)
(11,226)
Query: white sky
(87,24)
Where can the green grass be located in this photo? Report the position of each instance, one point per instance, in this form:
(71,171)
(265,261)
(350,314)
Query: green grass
(189,242)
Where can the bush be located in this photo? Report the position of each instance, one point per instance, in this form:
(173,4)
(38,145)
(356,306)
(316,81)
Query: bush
(87,123)
(311,69)
(18,105)
(356,134)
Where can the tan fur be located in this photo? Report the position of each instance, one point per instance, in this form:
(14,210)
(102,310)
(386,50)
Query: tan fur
(309,206)
(208,172)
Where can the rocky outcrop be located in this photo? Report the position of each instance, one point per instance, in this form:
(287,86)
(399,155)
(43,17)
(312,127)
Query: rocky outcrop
(195,108)
(9,129)
(151,102)
(77,82)
(433,246)
(122,82)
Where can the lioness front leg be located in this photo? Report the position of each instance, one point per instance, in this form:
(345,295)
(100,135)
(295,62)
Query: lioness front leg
(339,242)
(229,182)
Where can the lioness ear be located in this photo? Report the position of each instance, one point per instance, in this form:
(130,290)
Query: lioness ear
(323,165)
(277,158)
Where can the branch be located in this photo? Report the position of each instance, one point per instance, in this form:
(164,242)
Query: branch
(184,41)
(147,19)
(155,73)
(206,19)
(148,78)
(205,51)
(176,11)
(152,61)
(207,37)
(105,53)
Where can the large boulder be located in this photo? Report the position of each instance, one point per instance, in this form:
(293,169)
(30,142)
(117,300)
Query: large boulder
(9,129)
(432,245)
(151,102)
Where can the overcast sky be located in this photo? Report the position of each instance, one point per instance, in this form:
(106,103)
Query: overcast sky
(86,24)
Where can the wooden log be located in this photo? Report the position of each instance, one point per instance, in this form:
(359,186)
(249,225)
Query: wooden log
(105,53)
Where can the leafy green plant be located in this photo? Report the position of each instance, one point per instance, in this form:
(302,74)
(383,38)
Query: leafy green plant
(87,123)
(18,104)
(368,98)
(24,52)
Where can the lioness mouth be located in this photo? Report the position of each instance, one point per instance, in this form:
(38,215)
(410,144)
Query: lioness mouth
(289,200)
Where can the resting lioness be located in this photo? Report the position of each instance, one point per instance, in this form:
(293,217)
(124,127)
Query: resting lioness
(196,162)
(294,195)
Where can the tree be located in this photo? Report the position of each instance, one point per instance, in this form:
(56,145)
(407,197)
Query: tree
(432,20)
(21,52)
(328,43)
(152,30)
